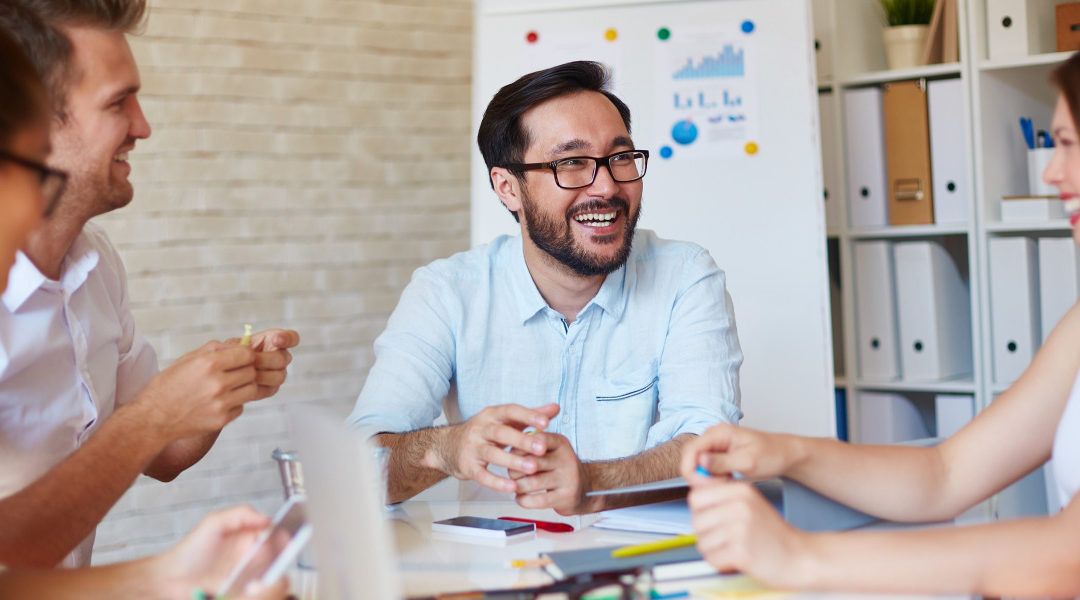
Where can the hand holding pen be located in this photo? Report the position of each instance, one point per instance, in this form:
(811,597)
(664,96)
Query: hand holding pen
(728,451)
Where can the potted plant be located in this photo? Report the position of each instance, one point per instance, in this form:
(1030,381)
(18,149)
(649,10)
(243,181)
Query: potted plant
(907,27)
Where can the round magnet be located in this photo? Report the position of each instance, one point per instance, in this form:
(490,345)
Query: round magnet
(663,33)
(610,35)
(684,132)
(748,26)
(751,148)
(532,37)
(666,152)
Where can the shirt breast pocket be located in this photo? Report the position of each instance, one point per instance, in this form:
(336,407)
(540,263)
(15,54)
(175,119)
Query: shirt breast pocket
(624,412)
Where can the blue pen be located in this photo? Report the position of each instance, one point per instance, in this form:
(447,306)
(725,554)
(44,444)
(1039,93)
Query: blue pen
(700,470)
(1043,140)
(1029,132)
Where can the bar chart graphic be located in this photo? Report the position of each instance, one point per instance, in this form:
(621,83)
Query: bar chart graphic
(726,63)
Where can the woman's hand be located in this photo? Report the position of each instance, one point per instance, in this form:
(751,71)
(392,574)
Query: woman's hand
(725,450)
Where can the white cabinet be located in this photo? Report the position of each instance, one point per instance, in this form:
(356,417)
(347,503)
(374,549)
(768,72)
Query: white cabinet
(984,153)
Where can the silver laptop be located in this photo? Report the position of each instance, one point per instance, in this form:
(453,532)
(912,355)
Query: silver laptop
(354,545)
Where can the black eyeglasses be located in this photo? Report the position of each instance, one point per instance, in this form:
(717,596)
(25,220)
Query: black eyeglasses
(52,181)
(575,172)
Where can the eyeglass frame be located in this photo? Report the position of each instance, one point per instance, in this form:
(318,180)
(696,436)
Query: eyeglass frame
(600,160)
(44,173)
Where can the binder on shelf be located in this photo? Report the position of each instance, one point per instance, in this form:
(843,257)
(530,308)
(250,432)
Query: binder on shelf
(875,311)
(864,134)
(823,39)
(934,312)
(836,306)
(1059,280)
(942,43)
(885,418)
(1014,310)
(1020,27)
(948,151)
(829,154)
(907,153)
(951,412)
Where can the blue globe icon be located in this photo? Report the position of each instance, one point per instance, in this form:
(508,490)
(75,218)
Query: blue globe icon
(684,132)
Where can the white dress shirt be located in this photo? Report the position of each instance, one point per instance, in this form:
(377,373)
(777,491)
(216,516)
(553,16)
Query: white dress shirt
(69,356)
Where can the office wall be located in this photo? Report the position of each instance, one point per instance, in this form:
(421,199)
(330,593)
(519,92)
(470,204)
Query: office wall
(306,157)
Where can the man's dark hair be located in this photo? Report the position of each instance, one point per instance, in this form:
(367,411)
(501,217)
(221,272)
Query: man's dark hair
(502,138)
(22,97)
(36,25)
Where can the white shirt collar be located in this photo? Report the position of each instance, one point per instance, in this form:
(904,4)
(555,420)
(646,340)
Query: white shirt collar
(25,278)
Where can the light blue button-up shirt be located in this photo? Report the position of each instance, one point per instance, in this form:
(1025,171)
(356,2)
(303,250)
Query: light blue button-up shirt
(653,355)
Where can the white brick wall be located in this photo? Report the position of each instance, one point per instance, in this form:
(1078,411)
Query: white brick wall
(306,157)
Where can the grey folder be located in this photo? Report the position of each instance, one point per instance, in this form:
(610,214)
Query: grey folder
(800,506)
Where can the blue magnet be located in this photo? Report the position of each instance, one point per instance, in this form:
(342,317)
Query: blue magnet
(666,152)
(684,132)
(748,26)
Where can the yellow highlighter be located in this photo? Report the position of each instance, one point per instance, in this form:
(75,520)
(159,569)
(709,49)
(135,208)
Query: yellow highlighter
(671,543)
(246,340)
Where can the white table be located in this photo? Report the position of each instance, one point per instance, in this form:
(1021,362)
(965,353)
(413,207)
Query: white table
(437,563)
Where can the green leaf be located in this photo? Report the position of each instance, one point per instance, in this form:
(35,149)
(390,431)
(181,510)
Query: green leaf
(907,12)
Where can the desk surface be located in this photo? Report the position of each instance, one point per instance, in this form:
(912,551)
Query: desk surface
(431,563)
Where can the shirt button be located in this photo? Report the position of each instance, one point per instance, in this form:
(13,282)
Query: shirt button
(570,349)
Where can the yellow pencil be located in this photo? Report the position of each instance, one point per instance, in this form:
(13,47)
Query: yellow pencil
(678,541)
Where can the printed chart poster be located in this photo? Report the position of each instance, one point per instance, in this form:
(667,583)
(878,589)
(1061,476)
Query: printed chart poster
(707,92)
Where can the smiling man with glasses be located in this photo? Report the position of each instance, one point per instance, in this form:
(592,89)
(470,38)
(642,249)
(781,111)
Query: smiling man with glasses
(83,407)
(579,356)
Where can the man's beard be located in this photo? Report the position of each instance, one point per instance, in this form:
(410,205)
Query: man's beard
(557,239)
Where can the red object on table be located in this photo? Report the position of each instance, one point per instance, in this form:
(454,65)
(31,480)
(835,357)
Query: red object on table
(543,525)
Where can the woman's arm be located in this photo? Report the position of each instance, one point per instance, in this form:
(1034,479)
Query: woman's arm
(1009,439)
(738,530)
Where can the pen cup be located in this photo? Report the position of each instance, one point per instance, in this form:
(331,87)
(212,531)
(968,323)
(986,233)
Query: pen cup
(1037,159)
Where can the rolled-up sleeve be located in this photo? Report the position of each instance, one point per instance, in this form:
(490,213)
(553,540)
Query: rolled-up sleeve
(699,368)
(414,361)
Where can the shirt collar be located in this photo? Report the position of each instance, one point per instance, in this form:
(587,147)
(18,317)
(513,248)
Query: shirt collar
(608,297)
(25,278)
(530,302)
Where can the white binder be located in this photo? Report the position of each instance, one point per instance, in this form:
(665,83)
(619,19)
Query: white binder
(934,313)
(875,311)
(888,418)
(829,155)
(864,132)
(951,412)
(1059,280)
(1014,310)
(948,151)
(823,38)
(1020,27)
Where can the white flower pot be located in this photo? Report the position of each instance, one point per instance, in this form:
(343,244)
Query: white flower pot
(904,45)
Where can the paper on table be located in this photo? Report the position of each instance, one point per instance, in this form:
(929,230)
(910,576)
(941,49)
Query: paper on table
(671,518)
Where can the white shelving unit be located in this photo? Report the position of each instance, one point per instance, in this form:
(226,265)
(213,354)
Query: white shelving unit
(995,93)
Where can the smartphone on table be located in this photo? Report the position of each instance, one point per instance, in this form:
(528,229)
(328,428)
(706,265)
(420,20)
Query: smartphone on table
(496,528)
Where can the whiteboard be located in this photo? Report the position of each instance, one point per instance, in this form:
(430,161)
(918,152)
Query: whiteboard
(726,90)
